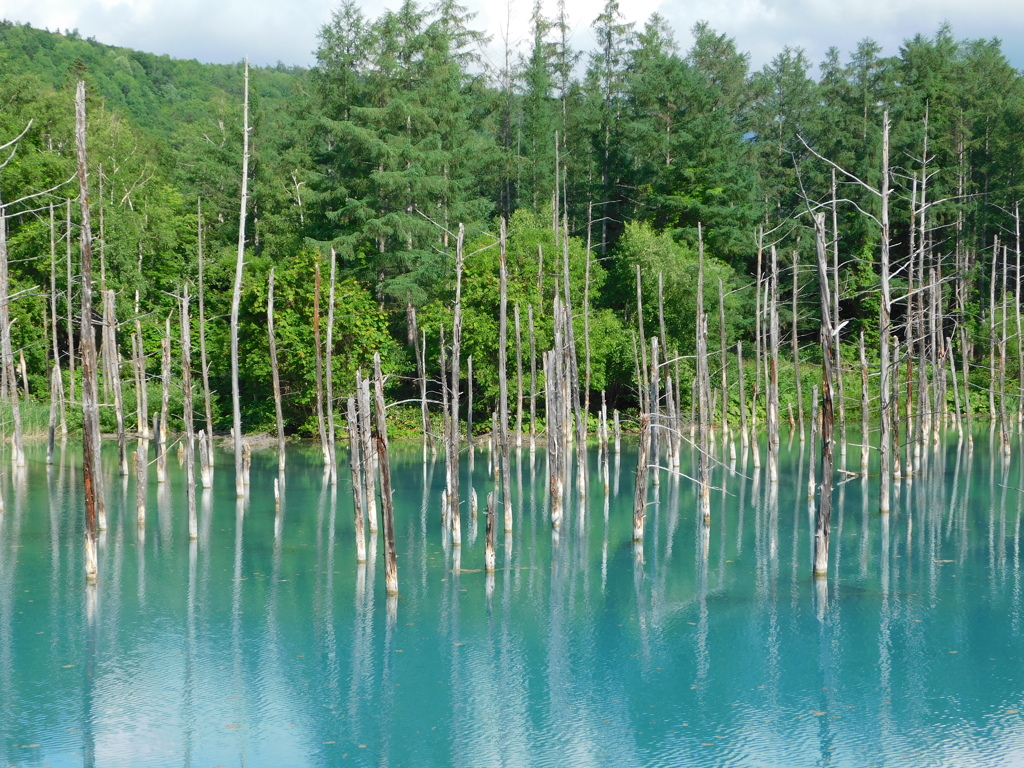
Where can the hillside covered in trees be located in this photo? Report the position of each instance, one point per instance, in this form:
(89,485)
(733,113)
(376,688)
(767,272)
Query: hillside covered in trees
(400,134)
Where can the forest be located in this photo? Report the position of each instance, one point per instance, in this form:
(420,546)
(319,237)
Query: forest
(629,160)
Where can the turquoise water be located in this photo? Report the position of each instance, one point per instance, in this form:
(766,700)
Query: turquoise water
(265,645)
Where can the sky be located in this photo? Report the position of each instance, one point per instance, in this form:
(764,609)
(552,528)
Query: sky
(269,31)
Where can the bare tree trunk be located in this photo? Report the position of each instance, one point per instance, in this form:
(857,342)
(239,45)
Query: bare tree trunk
(1017,311)
(643,377)
(642,472)
(744,436)
(573,378)
(703,386)
(519,377)
(387,505)
(1004,423)
(369,474)
(758,336)
(453,445)
(114,368)
(236,297)
(165,400)
(840,385)
(56,382)
(956,388)
(319,367)
(725,360)
(186,387)
(796,346)
(56,404)
(469,410)
(17,446)
(885,331)
(331,442)
(489,539)
(864,437)
(358,486)
(207,469)
(773,371)
(533,380)
(421,375)
(506,472)
(93,476)
(823,513)
(71,319)
(992,345)
(141,462)
(586,316)
(141,393)
(274,374)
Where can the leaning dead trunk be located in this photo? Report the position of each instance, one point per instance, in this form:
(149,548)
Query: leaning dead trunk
(92,474)
(387,504)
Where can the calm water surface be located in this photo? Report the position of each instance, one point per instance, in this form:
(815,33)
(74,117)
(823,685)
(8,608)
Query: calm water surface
(264,644)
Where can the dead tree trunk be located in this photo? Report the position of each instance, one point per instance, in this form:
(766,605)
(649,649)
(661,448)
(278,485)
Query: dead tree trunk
(421,376)
(573,379)
(453,445)
(206,469)
(56,382)
(506,471)
(885,331)
(93,476)
(519,376)
(165,400)
(865,442)
(642,471)
(141,393)
(56,404)
(358,486)
(114,368)
(703,386)
(236,297)
(319,354)
(533,380)
(186,388)
(369,474)
(17,447)
(796,345)
(773,370)
(387,504)
(71,319)
(744,437)
(823,513)
(725,360)
(275,374)
(329,362)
